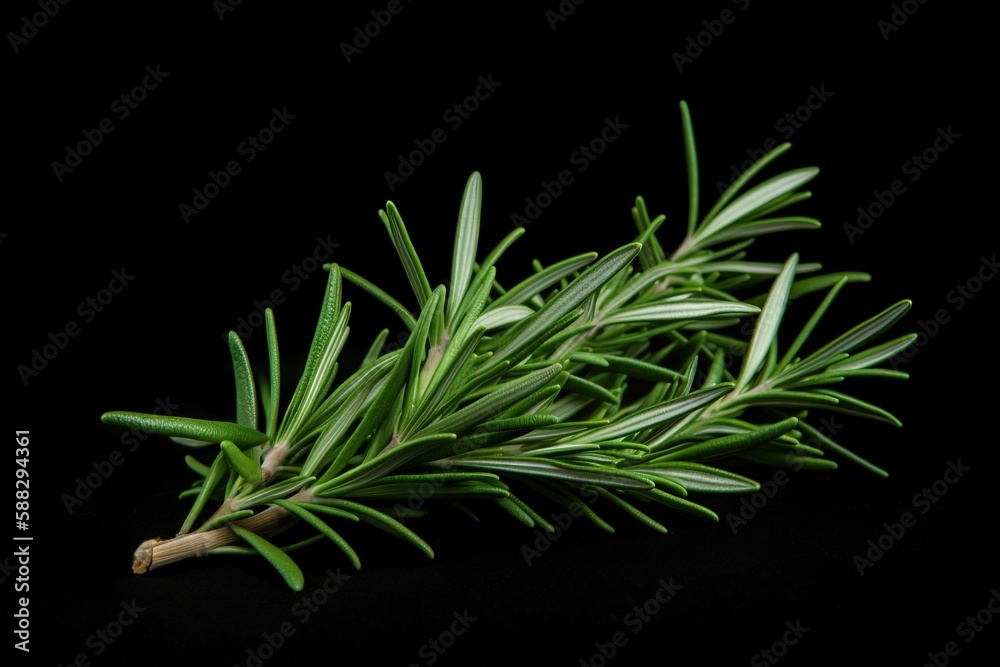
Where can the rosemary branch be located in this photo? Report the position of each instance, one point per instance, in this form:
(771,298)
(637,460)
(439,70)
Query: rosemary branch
(597,374)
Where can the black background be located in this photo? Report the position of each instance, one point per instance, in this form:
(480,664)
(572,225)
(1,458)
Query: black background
(162,337)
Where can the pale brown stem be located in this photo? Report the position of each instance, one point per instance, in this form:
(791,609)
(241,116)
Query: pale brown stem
(274,458)
(155,553)
(682,248)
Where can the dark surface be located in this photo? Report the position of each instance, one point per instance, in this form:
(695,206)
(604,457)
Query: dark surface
(162,338)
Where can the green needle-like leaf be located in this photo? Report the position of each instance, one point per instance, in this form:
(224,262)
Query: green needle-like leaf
(686,309)
(224,519)
(729,444)
(700,477)
(589,389)
(612,477)
(211,481)
(185,427)
(407,254)
(757,198)
(268,494)
(767,325)
(856,406)
(274,363)
(382,296)
(676,503)
(495,402)
(314,376)
(244,467)
(639,369)
(830,444)
(691,158)
(281,561)
(533,286)
(742,180)
(317,523)
(566,301)
(383,521)
(486,272)
(659,415)
(804,334)
(246,396)
(196,465)
(466,242)
(856,337)
(630,509)
(874,355)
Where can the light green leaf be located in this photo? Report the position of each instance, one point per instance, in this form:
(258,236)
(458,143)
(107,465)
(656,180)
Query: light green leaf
(246,395)
(758,197)
(691,160)
(320,525)
(538,282)
(738,184)
(407,254)
(828,443)
(196,465)
(408,320)
(224,519)
(466,243)
(846,342)
(244,467)
(495,402)
(209,484)
(274,363)
(281,561)
(331,330)
(702,478)
(381,520)
(496,318)
(565,302)
(874,355)
(685,309)
(186,427)
(676,503)
(658,415)
(767,325)
(727,444)
(630,509)
(269,494)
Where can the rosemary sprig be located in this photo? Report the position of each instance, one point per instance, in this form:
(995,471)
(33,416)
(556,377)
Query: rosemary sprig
(600,374)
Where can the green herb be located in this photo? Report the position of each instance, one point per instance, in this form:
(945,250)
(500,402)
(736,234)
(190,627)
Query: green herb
(598,376)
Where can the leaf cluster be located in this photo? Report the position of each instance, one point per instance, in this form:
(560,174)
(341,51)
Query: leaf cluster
(596,376)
